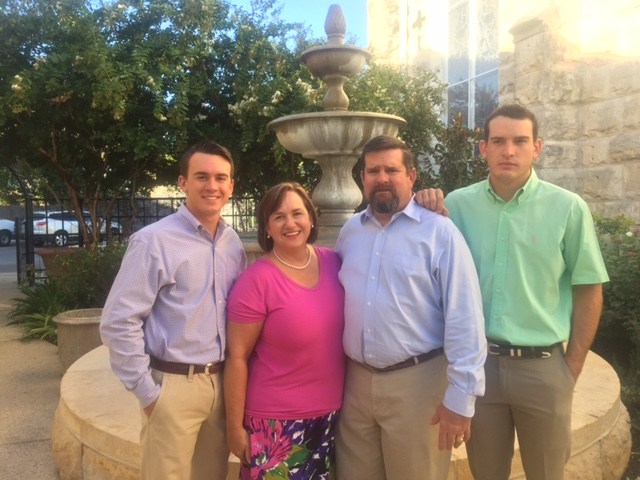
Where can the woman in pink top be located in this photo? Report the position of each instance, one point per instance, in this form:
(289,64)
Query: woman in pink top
(284,367)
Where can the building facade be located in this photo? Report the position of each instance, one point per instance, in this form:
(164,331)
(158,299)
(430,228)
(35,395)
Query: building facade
(575,63)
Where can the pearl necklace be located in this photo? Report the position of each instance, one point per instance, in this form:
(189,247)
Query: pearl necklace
(293,266)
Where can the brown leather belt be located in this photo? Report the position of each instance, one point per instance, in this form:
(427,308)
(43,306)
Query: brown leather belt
(184,368)
(409,362)
(520,351)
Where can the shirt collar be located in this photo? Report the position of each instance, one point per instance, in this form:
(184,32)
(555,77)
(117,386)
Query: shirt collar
(184,213)
(522,194)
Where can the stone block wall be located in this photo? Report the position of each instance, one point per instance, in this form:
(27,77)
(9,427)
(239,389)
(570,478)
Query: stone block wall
(589,112)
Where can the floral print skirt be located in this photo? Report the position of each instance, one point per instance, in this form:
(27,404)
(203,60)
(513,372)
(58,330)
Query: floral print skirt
(291,449)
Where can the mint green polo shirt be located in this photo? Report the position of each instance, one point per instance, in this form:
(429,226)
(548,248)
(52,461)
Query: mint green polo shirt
(529,252)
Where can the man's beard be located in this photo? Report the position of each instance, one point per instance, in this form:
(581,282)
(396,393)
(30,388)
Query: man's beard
(386,204)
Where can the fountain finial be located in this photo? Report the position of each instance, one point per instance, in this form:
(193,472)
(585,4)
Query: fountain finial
(334,61)
(335,25)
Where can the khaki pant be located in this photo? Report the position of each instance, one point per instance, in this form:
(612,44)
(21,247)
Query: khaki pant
(184,438)
(383,429)
(533,398)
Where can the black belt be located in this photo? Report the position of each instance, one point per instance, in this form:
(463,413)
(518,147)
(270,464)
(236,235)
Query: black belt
(520,351)
(409,362)
(184,368)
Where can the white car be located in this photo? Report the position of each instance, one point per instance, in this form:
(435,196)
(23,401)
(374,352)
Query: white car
(54,227)
(7,231)
(60,227)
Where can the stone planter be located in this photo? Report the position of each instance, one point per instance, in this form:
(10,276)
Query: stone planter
(49,255)
(78,333)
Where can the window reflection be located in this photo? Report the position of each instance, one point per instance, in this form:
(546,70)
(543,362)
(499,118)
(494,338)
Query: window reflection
(473,60)
(487,41)
(458,102)
(486,96)
(459,44)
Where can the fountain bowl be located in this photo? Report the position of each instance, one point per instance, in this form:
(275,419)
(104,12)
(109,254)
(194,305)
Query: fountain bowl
(343,60)
(332,133)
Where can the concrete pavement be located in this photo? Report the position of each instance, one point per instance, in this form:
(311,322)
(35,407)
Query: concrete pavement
(30,375)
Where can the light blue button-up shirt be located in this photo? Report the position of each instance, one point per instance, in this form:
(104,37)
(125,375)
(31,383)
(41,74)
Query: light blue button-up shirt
(411,287)
(169,299)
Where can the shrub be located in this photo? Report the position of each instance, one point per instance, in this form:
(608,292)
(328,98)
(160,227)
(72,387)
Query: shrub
(618,337)
(456,161)
(34,311)
(82,280)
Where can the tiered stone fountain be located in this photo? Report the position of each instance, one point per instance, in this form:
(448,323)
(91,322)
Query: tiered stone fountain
(334,138)
(96,429)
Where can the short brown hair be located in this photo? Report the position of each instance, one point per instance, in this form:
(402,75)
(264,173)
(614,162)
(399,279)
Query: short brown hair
(386,142)
(204,146)
(514,111)
(272,200)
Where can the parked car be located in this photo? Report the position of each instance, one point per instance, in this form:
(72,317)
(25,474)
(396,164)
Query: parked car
(116,228)
(61,227)
(7,232)
(56,227)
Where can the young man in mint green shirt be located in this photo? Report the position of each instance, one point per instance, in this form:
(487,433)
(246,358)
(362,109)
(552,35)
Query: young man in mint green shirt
(541,274)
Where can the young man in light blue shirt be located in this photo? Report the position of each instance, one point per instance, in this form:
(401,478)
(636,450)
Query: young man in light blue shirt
(164,322)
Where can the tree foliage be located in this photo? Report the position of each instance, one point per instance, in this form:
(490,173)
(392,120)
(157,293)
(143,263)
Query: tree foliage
(98,99)
(455,162)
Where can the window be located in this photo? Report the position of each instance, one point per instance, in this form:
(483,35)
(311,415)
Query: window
(473,62)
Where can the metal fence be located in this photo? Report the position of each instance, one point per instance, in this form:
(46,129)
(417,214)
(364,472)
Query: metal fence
(133,214)
(55,224)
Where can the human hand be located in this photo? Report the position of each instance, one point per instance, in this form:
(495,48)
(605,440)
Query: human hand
(454,428)
(575,365)
(432,199)
(148,410)
(239,444)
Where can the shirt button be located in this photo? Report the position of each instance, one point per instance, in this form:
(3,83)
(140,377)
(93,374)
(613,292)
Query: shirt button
(373,277)
(369,304)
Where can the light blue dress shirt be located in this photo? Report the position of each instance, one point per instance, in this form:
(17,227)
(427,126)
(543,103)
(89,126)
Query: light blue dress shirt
(410,287)
(169,299)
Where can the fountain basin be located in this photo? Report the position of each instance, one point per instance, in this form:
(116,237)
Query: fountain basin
(335,140)
(321,134)
(335,60)
(96,429)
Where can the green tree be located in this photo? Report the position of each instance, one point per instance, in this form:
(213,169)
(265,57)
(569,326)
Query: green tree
(415,94)
(268,81)
(456,157)
(98,99)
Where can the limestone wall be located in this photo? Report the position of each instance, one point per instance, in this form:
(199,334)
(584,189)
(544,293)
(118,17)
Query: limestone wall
(588,103)
(589,111)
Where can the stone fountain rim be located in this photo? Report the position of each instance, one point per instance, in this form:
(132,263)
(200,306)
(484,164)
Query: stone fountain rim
(329,47)
(334,114)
